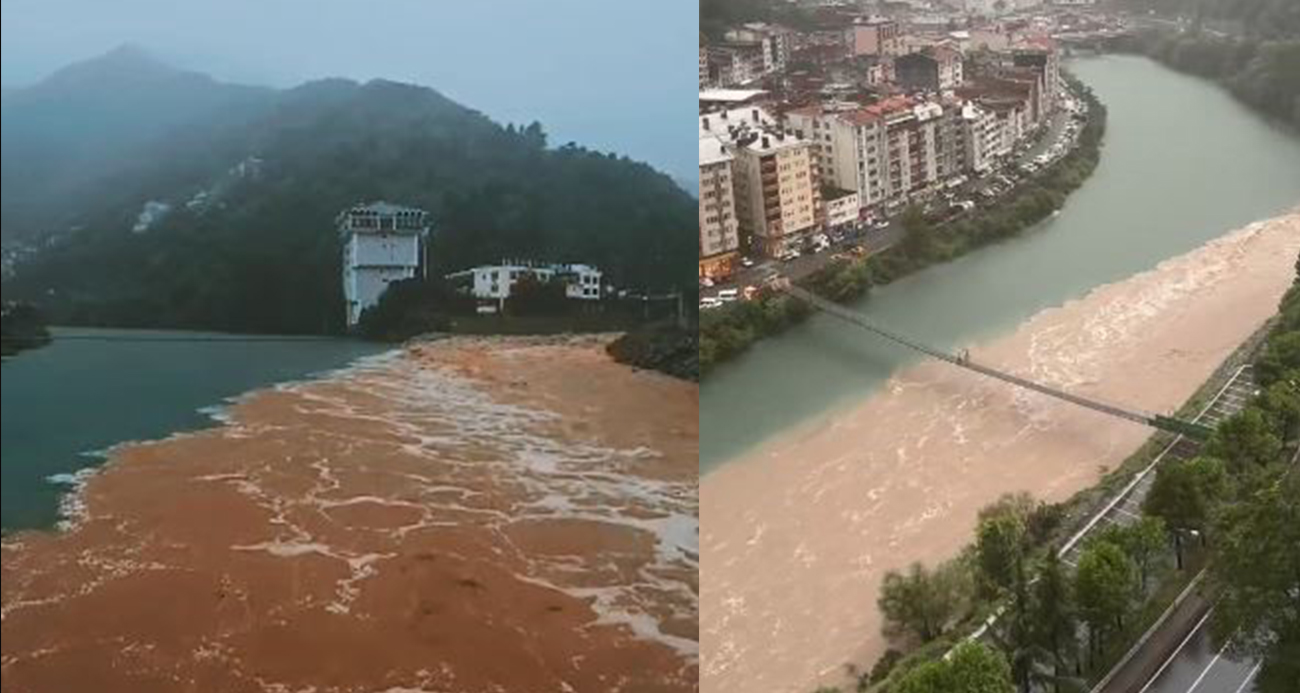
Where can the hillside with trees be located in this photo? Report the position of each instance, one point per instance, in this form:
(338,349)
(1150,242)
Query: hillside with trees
(1251,47)
(246,241)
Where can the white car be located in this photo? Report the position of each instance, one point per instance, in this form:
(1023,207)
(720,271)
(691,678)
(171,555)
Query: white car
(728,295)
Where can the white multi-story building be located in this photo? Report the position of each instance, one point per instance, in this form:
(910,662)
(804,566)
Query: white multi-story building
(719,225)
(492,284)
(382,243)
(887,152)
(842,209)
(776,193)
(982,137)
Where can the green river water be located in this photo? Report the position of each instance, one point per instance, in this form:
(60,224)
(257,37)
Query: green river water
(65,401)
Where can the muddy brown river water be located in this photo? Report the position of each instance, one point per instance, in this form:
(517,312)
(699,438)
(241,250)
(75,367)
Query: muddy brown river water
(468,515)
(797,534)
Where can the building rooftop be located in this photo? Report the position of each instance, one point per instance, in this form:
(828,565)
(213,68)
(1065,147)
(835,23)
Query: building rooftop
(730,95)
(723,123)
(382,207)
(383,218)
(713,151)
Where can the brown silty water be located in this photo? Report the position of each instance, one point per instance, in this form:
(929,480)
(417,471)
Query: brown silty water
(797,535)
(469,515)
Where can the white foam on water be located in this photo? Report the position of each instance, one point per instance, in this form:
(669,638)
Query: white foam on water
(449,420)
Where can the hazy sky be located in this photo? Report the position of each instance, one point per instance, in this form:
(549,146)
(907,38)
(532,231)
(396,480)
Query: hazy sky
(610,74)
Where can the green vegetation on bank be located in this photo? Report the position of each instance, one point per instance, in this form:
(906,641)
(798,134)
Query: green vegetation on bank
(21,327)
(1266,19)
(666,347)
(728,331)
(1254,528)
(1234,508)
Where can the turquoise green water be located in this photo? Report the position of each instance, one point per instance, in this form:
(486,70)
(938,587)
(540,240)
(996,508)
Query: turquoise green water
(74,397)
(1183,163)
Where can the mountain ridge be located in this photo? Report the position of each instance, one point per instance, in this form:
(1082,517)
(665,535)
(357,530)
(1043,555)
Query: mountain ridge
(252,185)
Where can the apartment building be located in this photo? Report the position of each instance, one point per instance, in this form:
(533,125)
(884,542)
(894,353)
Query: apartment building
(933,69)
(772,42)
(705,80)
(842,208)
(981,137)
(719,226)
(734,65)
(492,284)
(874,36)
(888,152)
(776,195)
(1040,56)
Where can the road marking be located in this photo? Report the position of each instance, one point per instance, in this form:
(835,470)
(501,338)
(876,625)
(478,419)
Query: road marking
(1181,645)
(1249,677)
(1214,661)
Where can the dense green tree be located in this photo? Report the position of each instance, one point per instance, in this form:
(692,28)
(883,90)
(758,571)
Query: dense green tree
(1053,618)
(1281,403)
(1183,495)
(1000,551)
(972,668)
(922,237)
(921,602)
(1245,441)
(1105,584)
(21,327)
(533,296)
(1255,570)
(1143,541)
(1282,354)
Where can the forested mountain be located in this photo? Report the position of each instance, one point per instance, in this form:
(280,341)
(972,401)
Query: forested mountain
(85,121)
(1269,19)
(240,235)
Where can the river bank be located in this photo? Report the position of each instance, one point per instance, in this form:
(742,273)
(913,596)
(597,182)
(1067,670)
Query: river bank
(409,523)
(799,532)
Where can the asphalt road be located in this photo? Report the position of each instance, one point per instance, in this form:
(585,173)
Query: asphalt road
(1197,666)
(873,239)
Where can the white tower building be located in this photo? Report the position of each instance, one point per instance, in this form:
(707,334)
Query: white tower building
(382,243)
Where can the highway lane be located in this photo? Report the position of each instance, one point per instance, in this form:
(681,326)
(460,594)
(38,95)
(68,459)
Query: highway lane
(1198,666)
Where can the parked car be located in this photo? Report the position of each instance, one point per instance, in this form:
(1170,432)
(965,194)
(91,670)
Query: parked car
(746,262)
(728,295)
